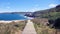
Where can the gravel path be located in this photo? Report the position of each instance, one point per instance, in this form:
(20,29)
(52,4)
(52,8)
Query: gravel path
(29,28)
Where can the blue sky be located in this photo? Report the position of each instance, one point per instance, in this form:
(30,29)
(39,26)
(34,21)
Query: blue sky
(26,5)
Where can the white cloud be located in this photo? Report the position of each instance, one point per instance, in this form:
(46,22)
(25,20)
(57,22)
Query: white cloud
(34,8)
(52,5)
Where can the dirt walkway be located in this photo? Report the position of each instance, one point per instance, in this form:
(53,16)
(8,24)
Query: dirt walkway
(29,28)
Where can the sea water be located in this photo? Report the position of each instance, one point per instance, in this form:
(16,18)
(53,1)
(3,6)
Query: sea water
(9,16)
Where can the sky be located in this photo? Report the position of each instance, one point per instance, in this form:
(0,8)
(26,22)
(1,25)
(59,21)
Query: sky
(26,5)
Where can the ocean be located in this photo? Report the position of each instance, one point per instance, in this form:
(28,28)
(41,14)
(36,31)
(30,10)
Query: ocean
(9,16)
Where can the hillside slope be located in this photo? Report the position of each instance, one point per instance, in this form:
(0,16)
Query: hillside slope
(47,11)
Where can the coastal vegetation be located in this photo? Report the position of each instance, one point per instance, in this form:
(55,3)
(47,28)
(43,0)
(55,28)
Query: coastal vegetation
(13,27)
(41,27)
(51,15)
(42,19)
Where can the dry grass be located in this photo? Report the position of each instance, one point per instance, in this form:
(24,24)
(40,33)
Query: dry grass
(41,28)
(13,27)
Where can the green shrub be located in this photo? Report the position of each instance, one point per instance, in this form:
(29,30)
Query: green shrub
(52,15)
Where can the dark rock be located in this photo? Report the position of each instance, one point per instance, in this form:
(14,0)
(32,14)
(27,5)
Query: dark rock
(57,23)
